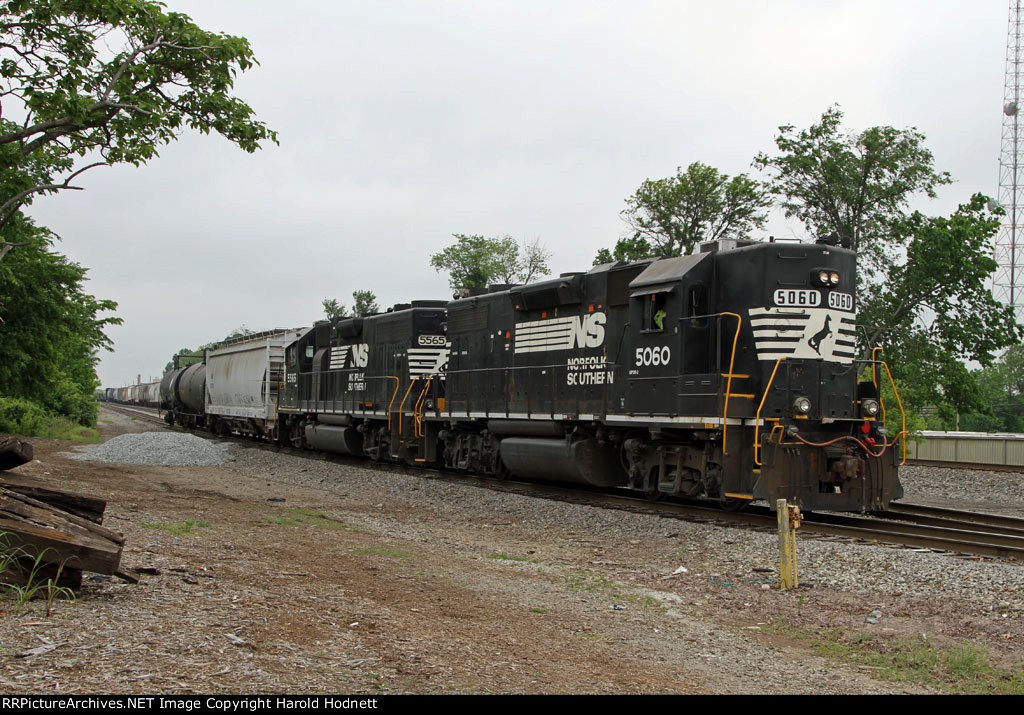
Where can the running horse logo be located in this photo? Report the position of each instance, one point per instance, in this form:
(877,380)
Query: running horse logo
(826,330)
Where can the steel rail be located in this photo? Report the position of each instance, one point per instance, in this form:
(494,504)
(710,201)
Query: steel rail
(977,538)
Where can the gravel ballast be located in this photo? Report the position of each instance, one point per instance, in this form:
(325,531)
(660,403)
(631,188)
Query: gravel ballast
(169,449)
(282,572)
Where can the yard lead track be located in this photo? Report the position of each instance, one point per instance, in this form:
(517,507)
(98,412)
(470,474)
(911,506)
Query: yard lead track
(910,525)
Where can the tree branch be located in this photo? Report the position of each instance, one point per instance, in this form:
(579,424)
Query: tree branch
(16,201)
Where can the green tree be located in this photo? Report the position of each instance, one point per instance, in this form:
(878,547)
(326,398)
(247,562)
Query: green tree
(629,249)
(921,281)
(87,83)
(333,309)
(857,185)
(474,261)
(50,329)
(1000,395)
(365,303)
(671,216)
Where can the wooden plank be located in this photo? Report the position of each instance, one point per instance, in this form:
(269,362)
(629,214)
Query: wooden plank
(56,546)
(18,574)
(44,514)
(58,537)
(87,507)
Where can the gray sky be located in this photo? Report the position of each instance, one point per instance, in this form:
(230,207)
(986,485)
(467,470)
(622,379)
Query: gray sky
(402,123)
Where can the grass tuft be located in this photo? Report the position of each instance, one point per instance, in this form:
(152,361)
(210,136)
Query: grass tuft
(965,668)
(14,558)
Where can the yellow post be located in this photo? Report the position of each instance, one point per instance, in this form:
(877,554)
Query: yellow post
(789,522)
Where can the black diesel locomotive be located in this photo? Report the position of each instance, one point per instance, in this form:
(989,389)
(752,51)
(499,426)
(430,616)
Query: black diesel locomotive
(728,375)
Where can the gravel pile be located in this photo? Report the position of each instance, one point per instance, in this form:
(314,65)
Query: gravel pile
(171,449)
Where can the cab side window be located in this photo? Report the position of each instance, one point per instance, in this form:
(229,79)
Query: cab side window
(654,311)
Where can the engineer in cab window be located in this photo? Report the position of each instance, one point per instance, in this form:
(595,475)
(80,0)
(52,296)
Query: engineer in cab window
(656,311)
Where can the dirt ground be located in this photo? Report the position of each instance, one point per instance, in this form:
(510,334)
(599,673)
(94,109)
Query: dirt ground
(254,584)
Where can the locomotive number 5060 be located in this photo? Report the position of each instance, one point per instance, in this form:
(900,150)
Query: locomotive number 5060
(653,356)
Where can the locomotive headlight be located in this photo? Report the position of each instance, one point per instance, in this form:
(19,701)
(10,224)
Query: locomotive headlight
(823,277)
(833,278)
(869,408)
(802,406)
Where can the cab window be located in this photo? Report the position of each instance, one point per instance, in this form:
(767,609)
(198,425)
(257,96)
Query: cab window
(654,311)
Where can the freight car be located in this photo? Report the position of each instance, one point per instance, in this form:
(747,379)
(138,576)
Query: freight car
(143,394)
(727,375)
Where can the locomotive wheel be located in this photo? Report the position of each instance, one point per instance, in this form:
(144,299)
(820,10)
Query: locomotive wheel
(651,490)
(503,474)
(654,494)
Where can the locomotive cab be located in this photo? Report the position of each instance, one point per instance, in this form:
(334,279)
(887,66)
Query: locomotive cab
(816,436)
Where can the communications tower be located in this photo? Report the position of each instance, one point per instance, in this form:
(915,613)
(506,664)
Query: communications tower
(1009,281)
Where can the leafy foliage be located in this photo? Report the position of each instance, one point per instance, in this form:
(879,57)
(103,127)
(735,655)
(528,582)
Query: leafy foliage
(91,82)
(856,185)
(669,217)
(52,330)
(1000,392)
(629,249)
(474,262)
(921,291)
(333,309)
(943,278)
(365,303)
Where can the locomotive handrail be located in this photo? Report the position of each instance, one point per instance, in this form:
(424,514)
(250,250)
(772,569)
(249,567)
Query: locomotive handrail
(398,386)
(305,392)
(401,407)
(903,432)
(874,372)
(875,362)
(728,384)
(417,411)
(757,417)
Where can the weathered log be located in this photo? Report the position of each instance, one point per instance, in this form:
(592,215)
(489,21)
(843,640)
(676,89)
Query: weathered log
(81,505)
(14,452)
(57,537)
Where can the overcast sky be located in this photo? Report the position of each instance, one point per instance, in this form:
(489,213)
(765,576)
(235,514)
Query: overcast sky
(402,123)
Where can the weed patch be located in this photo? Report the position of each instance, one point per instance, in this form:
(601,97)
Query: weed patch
(15,563)
(587,582)
(965,668)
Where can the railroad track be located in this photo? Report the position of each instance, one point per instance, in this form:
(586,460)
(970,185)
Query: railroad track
(910,525)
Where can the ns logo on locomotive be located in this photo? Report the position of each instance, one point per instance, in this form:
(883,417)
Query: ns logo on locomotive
(727,375)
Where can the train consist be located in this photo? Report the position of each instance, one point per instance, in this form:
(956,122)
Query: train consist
(727,375)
